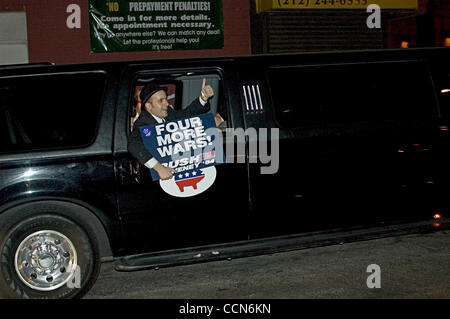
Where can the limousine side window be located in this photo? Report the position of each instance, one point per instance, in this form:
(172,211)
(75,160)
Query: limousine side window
(182,89)
(340,94)
(48,111)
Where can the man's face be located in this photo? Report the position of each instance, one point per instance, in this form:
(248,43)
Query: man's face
(157,104)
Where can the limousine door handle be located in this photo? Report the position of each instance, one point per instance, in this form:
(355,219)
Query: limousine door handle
(135,170)
(128,171)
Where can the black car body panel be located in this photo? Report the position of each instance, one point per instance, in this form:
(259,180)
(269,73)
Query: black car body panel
(345,175)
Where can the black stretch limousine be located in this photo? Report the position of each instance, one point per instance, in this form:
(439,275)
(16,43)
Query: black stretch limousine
(333,147)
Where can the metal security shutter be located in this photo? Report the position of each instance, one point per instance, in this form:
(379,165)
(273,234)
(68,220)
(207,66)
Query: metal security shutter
(324,30)
(319,30)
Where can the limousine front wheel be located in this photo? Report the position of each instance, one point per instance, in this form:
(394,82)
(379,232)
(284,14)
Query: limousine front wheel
(46,260)
(47,257)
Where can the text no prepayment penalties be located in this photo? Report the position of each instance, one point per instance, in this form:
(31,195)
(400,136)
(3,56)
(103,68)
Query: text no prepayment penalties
(170,6)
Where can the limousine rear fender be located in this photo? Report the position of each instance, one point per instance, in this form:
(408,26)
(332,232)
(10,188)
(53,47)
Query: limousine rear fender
(101,227)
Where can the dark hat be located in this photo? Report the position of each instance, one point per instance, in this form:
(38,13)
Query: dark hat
(148,90)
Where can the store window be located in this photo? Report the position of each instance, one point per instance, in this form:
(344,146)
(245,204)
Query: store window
(13,38)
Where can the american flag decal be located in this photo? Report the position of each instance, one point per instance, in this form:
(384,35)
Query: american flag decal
(190,178)
(208,155)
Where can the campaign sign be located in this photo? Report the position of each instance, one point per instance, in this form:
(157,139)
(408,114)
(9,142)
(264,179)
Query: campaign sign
(187,145)
(190,183)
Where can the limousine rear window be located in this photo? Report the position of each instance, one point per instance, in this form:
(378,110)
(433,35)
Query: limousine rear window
(335,94)
(50,111)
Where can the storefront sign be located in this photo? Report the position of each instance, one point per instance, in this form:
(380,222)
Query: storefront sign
(146,25)
(263,5)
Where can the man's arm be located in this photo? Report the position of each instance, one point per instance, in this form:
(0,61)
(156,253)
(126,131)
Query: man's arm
(137,149)
(199,105)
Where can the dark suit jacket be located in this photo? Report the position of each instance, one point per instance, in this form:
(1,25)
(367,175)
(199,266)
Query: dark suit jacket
(136,146)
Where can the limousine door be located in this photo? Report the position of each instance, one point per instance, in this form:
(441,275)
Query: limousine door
(152,218)
(356,146)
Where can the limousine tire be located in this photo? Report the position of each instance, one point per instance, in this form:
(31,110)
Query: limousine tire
(47,256)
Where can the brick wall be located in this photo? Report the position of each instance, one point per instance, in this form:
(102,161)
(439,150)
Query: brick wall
(442,21)
(429,27)
(402,29)
(50,40)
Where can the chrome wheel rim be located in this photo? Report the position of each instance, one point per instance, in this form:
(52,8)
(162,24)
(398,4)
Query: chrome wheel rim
(46,260)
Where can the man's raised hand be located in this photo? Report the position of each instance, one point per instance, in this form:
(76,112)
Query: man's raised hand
(207,91)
